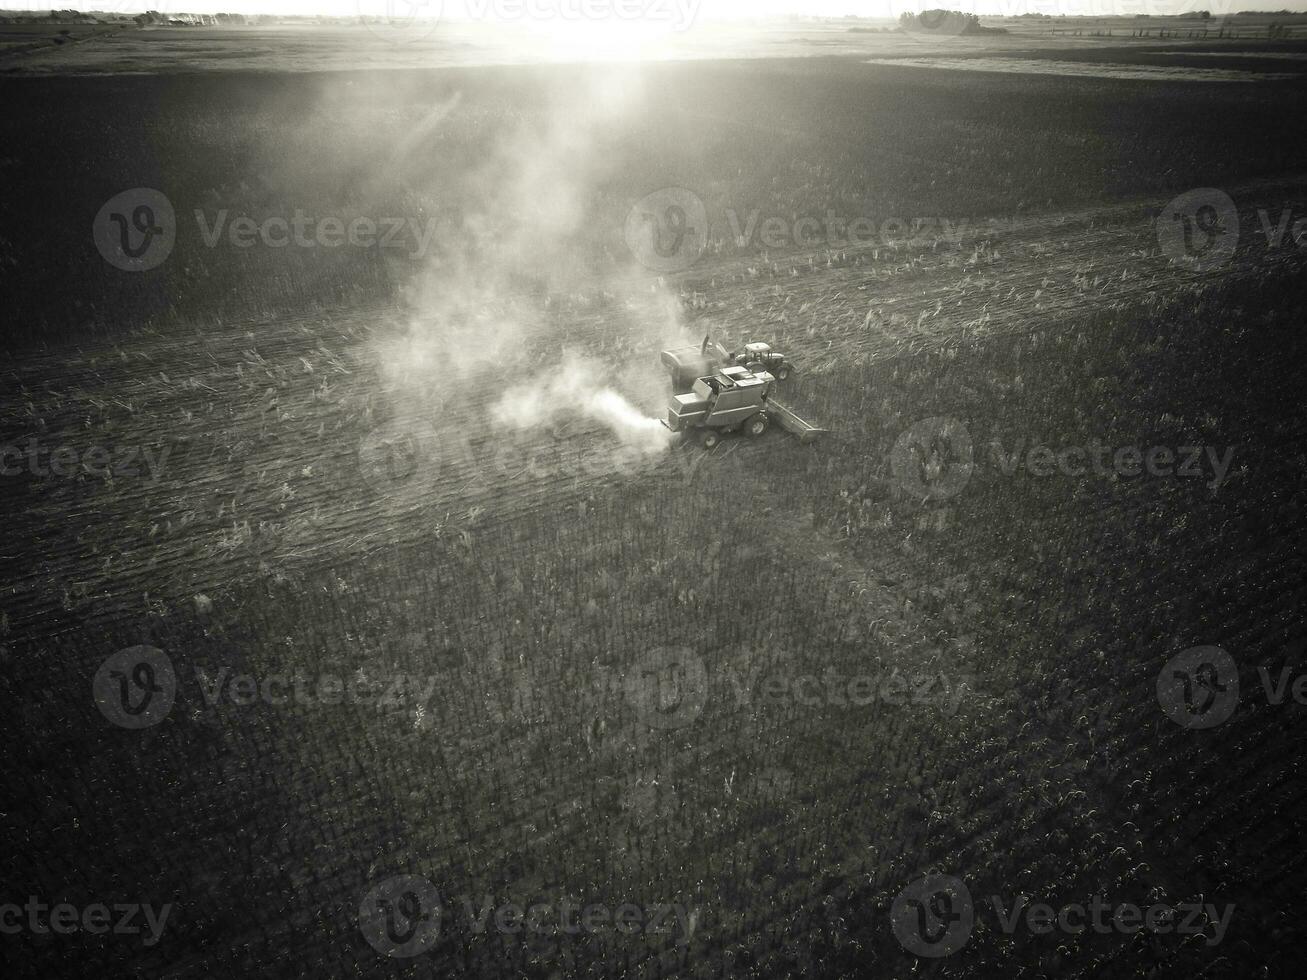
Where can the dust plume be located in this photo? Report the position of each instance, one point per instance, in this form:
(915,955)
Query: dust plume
(520,224)
(580,386)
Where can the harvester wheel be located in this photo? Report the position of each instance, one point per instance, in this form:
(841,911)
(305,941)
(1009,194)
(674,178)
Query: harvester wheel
(756,426)
(711,438)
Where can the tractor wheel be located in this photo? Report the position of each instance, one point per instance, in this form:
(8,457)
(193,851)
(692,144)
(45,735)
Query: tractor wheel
(756,426)
(710,438)
(782,372)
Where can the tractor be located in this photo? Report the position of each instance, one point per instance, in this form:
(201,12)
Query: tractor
(761,358)
(688,364)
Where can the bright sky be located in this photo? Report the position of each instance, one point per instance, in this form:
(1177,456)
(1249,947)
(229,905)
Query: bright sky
(678,11)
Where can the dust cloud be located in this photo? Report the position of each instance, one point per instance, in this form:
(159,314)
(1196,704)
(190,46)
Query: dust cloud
(580,386)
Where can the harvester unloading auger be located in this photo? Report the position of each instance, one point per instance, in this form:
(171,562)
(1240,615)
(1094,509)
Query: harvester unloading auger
(717,392)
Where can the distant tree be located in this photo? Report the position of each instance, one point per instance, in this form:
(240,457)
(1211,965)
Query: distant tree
(939,21)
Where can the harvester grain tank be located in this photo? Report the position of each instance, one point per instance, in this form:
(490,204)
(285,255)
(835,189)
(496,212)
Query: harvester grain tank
(688,364)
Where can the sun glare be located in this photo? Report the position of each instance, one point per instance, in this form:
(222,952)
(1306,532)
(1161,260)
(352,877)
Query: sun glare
(598,40)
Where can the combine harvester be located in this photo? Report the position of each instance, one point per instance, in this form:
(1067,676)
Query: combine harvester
(723,397)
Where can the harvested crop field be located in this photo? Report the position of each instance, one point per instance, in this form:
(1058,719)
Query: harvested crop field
(362,617)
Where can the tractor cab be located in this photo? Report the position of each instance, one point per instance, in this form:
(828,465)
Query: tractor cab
(760,357)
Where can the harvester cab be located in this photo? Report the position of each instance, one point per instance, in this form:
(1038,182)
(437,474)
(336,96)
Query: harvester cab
(728,400)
